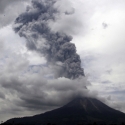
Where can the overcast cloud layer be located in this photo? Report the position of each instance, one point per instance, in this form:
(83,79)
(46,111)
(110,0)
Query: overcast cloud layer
(27,83)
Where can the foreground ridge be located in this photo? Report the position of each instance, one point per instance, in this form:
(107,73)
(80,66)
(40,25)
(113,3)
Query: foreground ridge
(64,124)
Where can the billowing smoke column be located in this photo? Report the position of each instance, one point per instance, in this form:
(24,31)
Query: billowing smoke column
(54,46)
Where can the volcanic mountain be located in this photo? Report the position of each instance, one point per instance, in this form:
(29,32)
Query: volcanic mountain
(78,111)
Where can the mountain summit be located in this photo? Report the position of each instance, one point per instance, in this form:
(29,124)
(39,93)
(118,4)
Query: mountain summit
(80,110)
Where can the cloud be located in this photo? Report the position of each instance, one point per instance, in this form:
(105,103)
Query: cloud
(32,91)
(53,93)
(72,11)
(69,14)
(5,3)
(2,96)
(105,25)
(9,13)
(1,46)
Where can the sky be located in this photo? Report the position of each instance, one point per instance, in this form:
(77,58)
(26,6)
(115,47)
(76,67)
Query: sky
(33,80)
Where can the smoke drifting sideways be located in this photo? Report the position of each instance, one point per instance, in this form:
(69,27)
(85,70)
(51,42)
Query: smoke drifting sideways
(56,47)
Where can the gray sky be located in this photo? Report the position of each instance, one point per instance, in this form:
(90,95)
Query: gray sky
(27,84)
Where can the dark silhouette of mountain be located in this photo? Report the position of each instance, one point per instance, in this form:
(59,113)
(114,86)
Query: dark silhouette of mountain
(78,111)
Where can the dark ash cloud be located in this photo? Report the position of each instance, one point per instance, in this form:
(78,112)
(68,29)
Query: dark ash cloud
(54,46)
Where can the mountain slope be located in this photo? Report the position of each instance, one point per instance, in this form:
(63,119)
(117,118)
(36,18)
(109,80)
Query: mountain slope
(80,110)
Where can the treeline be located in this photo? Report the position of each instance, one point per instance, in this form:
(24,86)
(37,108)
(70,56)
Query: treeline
(65,124)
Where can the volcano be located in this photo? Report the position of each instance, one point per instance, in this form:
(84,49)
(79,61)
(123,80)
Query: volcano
(78,111)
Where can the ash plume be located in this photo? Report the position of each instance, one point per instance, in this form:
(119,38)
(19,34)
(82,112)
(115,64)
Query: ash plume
(54,46)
